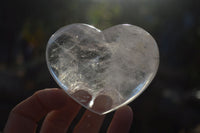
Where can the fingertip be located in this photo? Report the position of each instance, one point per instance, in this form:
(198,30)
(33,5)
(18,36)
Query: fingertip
(102,103)
(124,114)
(52,98)
(125,110)
(49,91)
(122,120)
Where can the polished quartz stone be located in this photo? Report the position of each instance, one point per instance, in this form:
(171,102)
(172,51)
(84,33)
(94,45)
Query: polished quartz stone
(102,70)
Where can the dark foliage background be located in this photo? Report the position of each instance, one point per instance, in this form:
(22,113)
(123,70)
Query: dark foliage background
(171,104)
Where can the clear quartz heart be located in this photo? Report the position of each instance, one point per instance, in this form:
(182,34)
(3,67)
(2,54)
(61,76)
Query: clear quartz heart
(102,70)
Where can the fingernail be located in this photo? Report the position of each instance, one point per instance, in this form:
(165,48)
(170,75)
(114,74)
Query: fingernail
(82,96)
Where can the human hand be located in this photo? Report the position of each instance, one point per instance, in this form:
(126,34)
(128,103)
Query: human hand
(60,110)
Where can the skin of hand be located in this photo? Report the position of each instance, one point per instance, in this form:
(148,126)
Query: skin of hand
(60,110)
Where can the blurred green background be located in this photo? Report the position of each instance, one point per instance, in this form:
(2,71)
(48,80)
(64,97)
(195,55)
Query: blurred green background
(171,104)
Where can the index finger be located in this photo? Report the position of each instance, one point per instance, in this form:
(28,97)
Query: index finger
(24,117)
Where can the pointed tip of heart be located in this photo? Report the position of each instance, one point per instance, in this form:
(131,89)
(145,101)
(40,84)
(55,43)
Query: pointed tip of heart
(99,104)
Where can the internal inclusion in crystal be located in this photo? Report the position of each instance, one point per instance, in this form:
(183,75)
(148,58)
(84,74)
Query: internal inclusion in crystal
(119,62)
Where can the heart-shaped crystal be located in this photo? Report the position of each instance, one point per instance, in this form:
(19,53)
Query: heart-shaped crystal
(102,70)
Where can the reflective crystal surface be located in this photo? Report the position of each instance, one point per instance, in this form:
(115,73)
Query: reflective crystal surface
(102,70)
